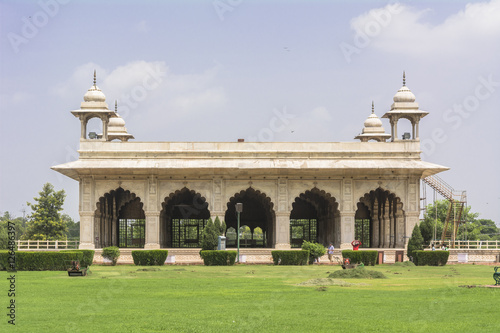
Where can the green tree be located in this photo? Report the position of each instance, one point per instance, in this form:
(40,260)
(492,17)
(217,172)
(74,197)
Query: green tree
(415,243)
(435,222)
(209,236)
(4,222)
(221,227)
(45,223)
(73,227)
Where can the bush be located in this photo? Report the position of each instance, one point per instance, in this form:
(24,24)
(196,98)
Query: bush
(368,257)
(404,264)
(209,237)
(41,261)
(290,257)
(357,273)
(112,253)
(88,257)
(4,260)
(150,257)
(432,258)
(415,243)
(316,250)
(218,258)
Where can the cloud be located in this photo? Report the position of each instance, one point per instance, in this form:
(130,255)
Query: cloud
(405,31)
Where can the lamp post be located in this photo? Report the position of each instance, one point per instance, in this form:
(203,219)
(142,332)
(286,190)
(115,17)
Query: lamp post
(239,209)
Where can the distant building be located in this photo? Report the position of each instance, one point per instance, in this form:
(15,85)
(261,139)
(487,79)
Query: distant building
(160,194)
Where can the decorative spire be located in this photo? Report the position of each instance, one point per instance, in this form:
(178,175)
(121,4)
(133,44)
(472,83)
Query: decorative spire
(94,79)
(116,106)
(373,108)
(404,79)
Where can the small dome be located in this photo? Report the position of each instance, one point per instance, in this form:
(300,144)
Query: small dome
(116,122)
(373,121)
(404,95)
(94,94)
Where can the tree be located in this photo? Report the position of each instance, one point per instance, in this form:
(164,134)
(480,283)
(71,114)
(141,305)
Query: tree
(209,236)
(45,223)
(221,227)
(435,222)
(4,223)
(415,243)
(73,228)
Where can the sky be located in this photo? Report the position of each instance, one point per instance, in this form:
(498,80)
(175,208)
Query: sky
(220,70)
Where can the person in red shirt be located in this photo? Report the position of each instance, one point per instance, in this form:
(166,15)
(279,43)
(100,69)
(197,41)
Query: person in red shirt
(355,244)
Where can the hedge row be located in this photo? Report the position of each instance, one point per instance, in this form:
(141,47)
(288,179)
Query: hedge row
(431,258)
(368,257)
(41,261)
(218,258)
(290,257)
(88,257)
(150,257)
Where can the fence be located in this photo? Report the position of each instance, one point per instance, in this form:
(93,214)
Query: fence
(472,244)
(46,245)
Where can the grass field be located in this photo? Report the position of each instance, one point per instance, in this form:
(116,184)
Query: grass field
(253,298)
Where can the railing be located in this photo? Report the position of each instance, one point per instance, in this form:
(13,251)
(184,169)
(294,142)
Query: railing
(24,245)
(472,244)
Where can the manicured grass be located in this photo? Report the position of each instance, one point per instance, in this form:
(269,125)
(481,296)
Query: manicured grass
(254,299)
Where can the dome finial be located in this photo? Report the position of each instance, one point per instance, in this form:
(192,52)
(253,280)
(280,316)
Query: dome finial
(116,106)
(373,108)
(404,79)
(94,78)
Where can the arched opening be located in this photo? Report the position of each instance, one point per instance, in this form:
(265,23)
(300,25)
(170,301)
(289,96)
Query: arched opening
(119,220)
(182,219)
(94,128)
(314,218)
(258,216)
(379,220)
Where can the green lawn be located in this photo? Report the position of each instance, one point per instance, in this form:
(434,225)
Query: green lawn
(253,298)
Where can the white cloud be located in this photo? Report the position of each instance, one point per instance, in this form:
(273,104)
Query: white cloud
(472,31)
(142,26)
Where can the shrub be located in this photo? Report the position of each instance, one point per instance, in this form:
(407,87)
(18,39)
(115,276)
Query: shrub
(432,258)
(404,264)
(4,260)
(112,253)
(209,236)
(218,258)
(88,257)
(150,257)
(40,261)
(368,257)
(415,244)
(357,273)
(290,257)
(316,250)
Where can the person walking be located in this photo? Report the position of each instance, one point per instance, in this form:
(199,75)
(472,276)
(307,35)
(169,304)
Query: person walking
(330,252)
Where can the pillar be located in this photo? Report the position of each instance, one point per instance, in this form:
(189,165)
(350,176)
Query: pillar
(282,231)
(375,225)
(86,231)
(152,230)
(346,229)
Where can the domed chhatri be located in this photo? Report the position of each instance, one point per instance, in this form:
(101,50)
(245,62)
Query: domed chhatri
(373,129)
(116,127)
(94,106)
(94,94)
(404,106)
(404,95)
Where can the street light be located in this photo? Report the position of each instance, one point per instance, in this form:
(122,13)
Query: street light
(239,209)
